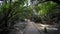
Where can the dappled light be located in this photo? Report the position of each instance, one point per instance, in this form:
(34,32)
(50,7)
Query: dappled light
(29,17)
(50,27)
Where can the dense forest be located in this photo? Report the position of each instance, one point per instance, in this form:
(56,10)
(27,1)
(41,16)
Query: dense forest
(38,11)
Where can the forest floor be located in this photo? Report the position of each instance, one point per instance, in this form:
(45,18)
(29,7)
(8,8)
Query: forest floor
(37,28)
(51,29)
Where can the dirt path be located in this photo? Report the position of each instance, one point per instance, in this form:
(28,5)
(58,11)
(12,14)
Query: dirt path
(31,29)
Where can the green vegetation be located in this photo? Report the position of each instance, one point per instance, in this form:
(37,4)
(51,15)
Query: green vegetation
(12,12)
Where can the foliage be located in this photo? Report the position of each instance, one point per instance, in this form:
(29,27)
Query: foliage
(11,13)
(48,10)
(45,9)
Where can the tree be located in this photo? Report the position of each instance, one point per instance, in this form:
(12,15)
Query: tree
(11,13)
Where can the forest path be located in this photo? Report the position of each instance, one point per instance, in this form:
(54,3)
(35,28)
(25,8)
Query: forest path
(31,28)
